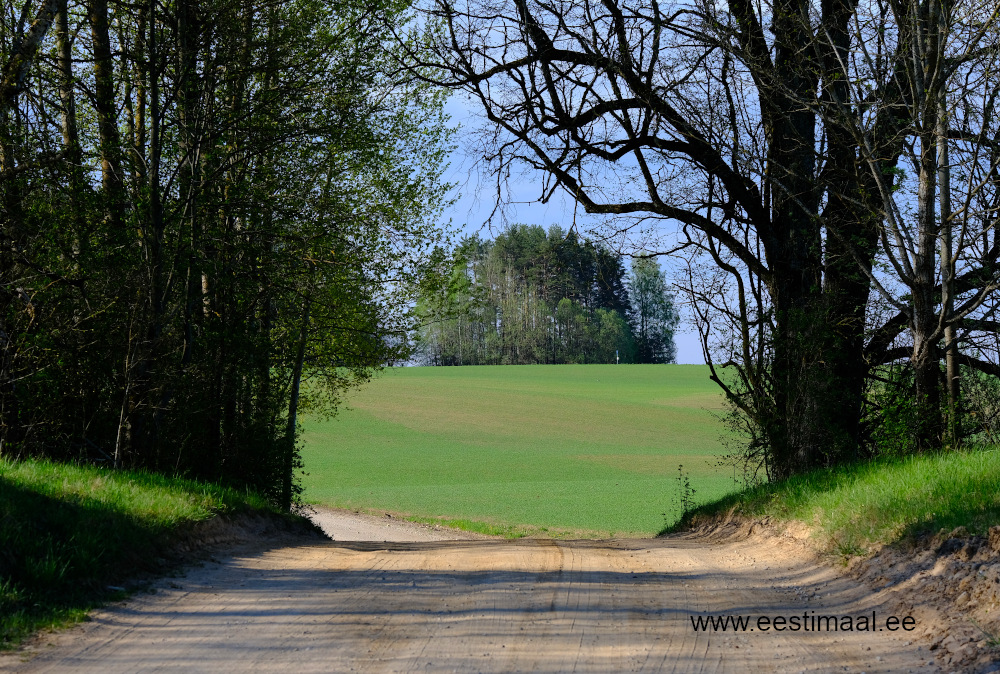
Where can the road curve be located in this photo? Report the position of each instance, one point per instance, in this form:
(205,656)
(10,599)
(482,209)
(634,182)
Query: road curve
(484,606)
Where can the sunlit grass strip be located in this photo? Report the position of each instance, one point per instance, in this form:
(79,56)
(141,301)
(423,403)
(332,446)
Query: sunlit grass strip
(147,497)
(855,508)
(68,532)
(485,528)
(509,531)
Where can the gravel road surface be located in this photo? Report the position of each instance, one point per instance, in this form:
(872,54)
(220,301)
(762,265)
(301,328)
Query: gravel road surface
(390,596)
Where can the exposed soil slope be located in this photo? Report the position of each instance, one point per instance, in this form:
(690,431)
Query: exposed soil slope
(951,582)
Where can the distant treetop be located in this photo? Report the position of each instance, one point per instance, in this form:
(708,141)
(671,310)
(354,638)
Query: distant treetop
(531,296)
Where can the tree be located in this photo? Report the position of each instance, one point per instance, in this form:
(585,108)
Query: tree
(212,216)
(610,290)
(527,297)
(937,202)
(690,114)
(654,318)
(736,123)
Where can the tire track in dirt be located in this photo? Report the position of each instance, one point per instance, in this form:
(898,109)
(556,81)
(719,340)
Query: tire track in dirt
(482,605)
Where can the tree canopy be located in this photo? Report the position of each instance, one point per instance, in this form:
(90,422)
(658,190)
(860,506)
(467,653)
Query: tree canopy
(202,204)
(532,296)
(654,317)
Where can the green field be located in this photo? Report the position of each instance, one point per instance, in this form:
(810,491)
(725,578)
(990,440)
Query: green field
(587,450)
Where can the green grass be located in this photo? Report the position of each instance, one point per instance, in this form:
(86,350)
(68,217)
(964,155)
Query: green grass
(855,509)
(503,530)
(68,532)
(564,450)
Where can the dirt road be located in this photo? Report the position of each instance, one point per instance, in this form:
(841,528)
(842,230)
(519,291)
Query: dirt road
(483,605)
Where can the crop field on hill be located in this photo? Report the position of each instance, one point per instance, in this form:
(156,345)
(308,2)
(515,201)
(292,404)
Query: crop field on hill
(577,450)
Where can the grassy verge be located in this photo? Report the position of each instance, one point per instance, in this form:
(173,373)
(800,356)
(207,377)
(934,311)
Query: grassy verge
(854,509)
(69,534)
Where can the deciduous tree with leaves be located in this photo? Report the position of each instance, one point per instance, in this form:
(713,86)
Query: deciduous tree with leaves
(205,204)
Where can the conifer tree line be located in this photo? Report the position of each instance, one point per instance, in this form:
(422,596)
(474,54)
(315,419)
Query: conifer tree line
(203,204)
(531,296)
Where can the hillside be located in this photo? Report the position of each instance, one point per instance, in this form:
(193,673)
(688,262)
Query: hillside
(574,449)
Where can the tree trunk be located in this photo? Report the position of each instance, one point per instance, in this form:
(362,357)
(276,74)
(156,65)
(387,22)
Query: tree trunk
(15,70)
(952,373)
(926,79)
(190,169)
(288,466)
(70,135)
(107,120)
(926,369)
(793,245)
(145,432)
